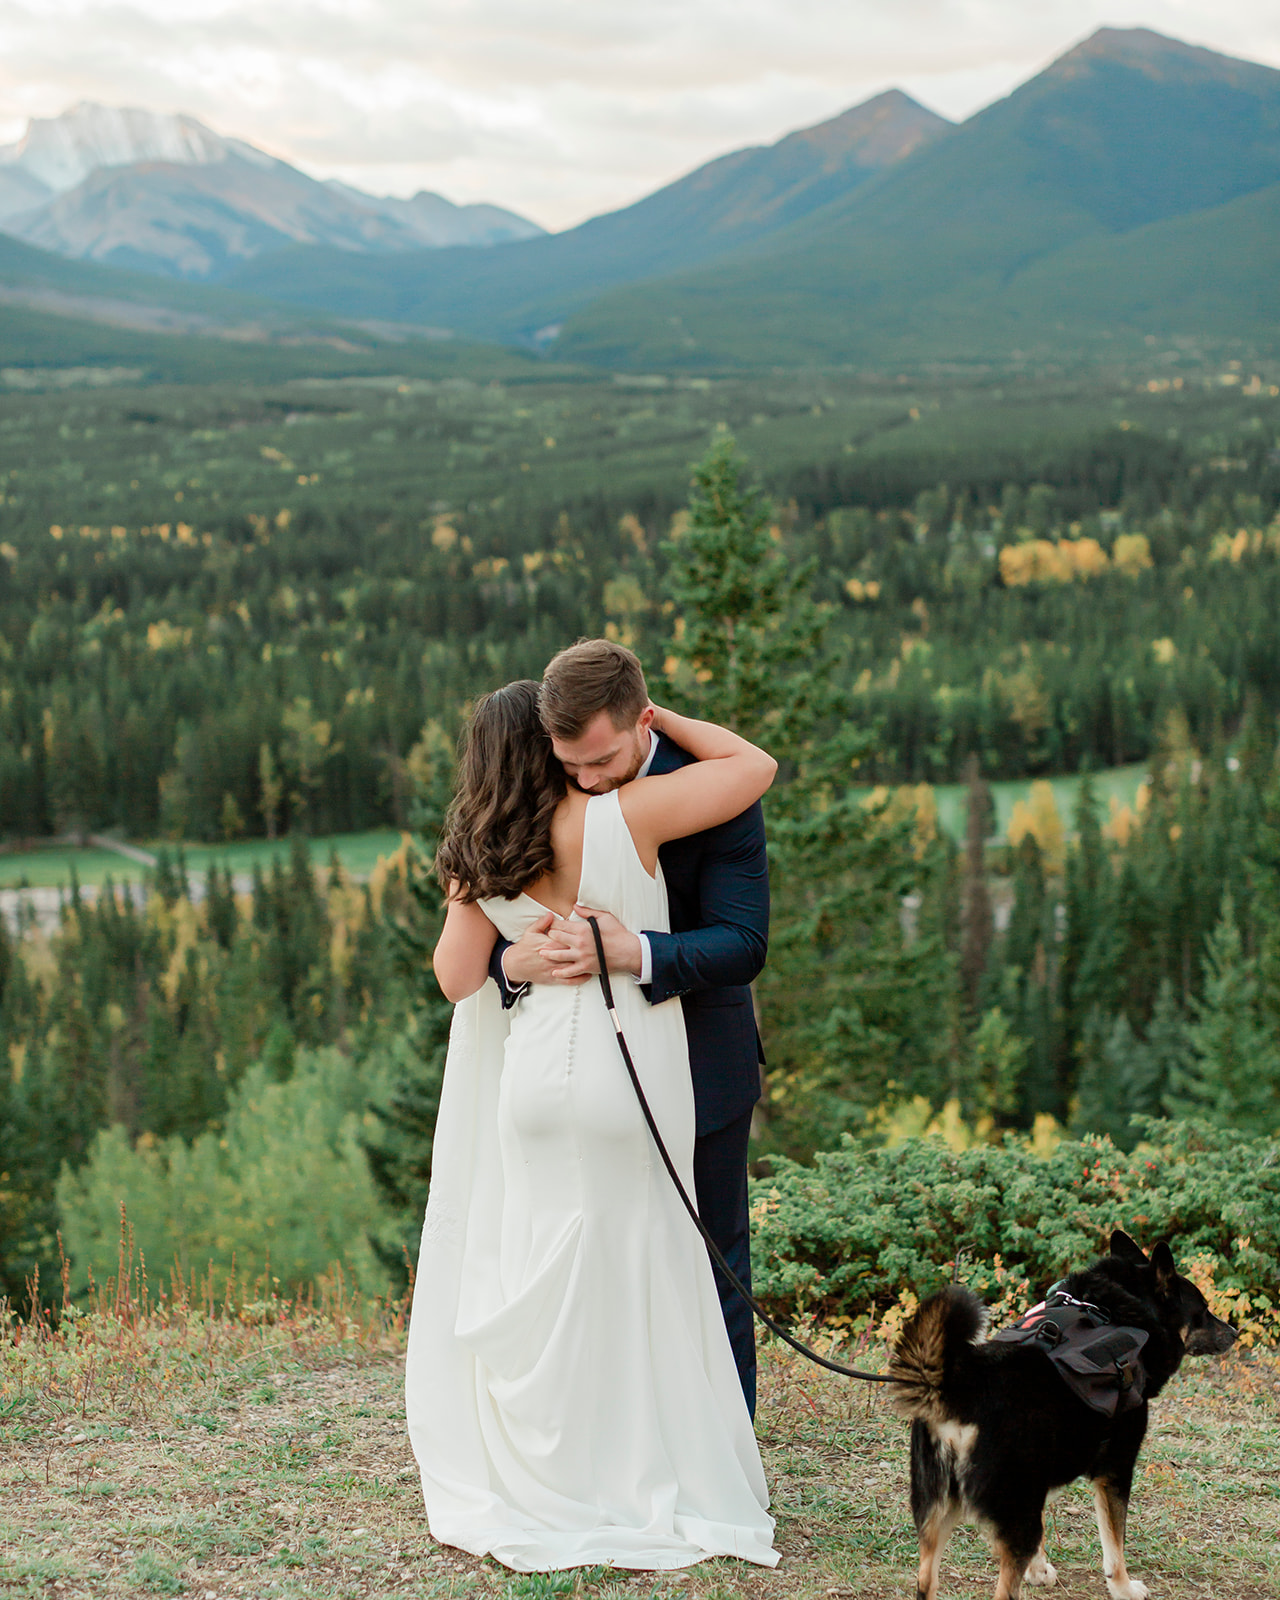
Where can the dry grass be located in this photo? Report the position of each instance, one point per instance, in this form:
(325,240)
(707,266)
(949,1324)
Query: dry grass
(257,1449)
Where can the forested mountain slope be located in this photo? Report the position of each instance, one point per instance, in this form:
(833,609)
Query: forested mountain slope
(64,321)
(975,240)
(517,291)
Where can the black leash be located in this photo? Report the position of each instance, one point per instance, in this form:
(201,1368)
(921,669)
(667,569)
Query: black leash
(713,1248)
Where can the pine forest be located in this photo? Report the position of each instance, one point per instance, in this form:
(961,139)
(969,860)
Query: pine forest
(1012,639)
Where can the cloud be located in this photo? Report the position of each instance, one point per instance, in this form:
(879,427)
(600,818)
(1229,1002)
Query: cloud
(558,108)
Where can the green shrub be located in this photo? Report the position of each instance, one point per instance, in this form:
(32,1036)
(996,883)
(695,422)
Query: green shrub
(864,1227)
(284,1186)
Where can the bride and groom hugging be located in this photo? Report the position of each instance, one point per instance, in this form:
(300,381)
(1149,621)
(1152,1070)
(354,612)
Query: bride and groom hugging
(578,1389)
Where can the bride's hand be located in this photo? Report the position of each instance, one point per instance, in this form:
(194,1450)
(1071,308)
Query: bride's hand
(526,961)
(573,950)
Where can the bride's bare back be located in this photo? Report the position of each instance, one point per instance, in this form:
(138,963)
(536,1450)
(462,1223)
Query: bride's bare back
(558,889)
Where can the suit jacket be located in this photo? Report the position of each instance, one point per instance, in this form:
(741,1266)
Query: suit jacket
(718,890)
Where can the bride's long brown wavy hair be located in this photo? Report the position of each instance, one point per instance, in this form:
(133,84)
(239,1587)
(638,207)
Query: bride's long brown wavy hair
(497,834)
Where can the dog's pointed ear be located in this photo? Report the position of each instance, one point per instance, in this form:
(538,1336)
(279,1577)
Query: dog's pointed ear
(1162,1261)
(1126,1248)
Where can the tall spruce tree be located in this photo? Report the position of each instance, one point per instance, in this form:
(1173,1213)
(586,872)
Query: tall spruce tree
(998,1057)
(749,639)
(1233,1077)
(1264,884)
(399,1153)
(856,1004)
(1164,1056)
(1101,1103)
(977,924)
(1022,979)
(1092,947)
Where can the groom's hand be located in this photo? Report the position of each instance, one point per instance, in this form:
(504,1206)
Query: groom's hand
(526,961)
(572,949)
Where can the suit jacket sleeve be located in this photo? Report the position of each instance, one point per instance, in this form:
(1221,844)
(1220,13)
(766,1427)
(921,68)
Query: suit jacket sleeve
(509,995)
(728,949)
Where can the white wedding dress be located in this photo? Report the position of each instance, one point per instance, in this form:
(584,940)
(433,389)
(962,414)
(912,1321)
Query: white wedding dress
(570,1390)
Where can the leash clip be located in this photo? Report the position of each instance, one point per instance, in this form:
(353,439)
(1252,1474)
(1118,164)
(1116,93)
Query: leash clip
(1060,1297)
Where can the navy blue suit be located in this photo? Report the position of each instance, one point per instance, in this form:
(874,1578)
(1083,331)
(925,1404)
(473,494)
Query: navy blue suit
(718,889)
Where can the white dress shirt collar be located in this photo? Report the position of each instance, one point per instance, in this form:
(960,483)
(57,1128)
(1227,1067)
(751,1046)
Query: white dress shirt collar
(648,760)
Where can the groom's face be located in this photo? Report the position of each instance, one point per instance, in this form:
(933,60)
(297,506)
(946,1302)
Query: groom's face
(603,757)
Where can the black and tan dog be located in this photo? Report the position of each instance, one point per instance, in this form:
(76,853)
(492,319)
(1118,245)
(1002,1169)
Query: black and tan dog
(996,1429)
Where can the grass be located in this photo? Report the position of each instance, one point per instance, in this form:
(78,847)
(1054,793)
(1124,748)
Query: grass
(358,852)
(1118,783)
(51,867)
(257,1449)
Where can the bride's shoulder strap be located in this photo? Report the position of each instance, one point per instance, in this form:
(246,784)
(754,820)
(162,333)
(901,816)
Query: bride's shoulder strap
(607,838)
(603,816)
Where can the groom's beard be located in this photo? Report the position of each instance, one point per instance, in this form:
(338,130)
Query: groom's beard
(606,785)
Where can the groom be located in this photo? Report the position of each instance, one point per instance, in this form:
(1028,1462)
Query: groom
(595,706)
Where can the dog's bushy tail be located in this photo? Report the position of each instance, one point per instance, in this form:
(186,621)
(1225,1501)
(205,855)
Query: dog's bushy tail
(919,1362)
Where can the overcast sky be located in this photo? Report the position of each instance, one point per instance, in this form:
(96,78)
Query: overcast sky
(556,108)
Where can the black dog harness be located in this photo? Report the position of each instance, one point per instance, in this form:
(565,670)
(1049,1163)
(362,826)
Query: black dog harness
(1099,1362)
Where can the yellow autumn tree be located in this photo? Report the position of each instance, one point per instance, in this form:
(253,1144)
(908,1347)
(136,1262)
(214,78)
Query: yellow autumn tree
(1087,557)
(1044,561)
(624,602)
(917,801)
(1124,818)
(1040,818)
(1131,554)
(1034,561)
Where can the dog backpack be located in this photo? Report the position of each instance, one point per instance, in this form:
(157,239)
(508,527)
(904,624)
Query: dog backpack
(1099,1362)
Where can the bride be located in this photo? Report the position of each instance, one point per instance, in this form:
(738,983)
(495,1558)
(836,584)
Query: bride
(571,1394)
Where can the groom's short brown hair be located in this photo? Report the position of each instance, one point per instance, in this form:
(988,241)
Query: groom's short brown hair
(589,677)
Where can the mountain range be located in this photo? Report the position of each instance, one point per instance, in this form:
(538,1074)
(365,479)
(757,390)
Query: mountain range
(522,292)
(1127,192)
(1126,196)
(165,194)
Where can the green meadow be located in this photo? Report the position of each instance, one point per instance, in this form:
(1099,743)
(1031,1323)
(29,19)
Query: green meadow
(45,866)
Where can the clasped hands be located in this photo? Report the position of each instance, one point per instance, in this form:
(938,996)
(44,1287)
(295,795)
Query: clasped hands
(562,950)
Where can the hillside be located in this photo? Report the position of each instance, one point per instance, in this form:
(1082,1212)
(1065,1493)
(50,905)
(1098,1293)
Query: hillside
(28,270)
(72,322)
(75,322)
(972,243)
(1211,275)
(522,291)
(56,350)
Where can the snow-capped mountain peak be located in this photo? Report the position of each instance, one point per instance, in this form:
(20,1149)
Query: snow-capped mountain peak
(61,151)
(163,193)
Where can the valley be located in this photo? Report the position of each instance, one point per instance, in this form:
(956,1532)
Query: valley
(998,406)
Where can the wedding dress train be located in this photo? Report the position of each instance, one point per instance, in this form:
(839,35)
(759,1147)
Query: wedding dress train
(570,1390)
